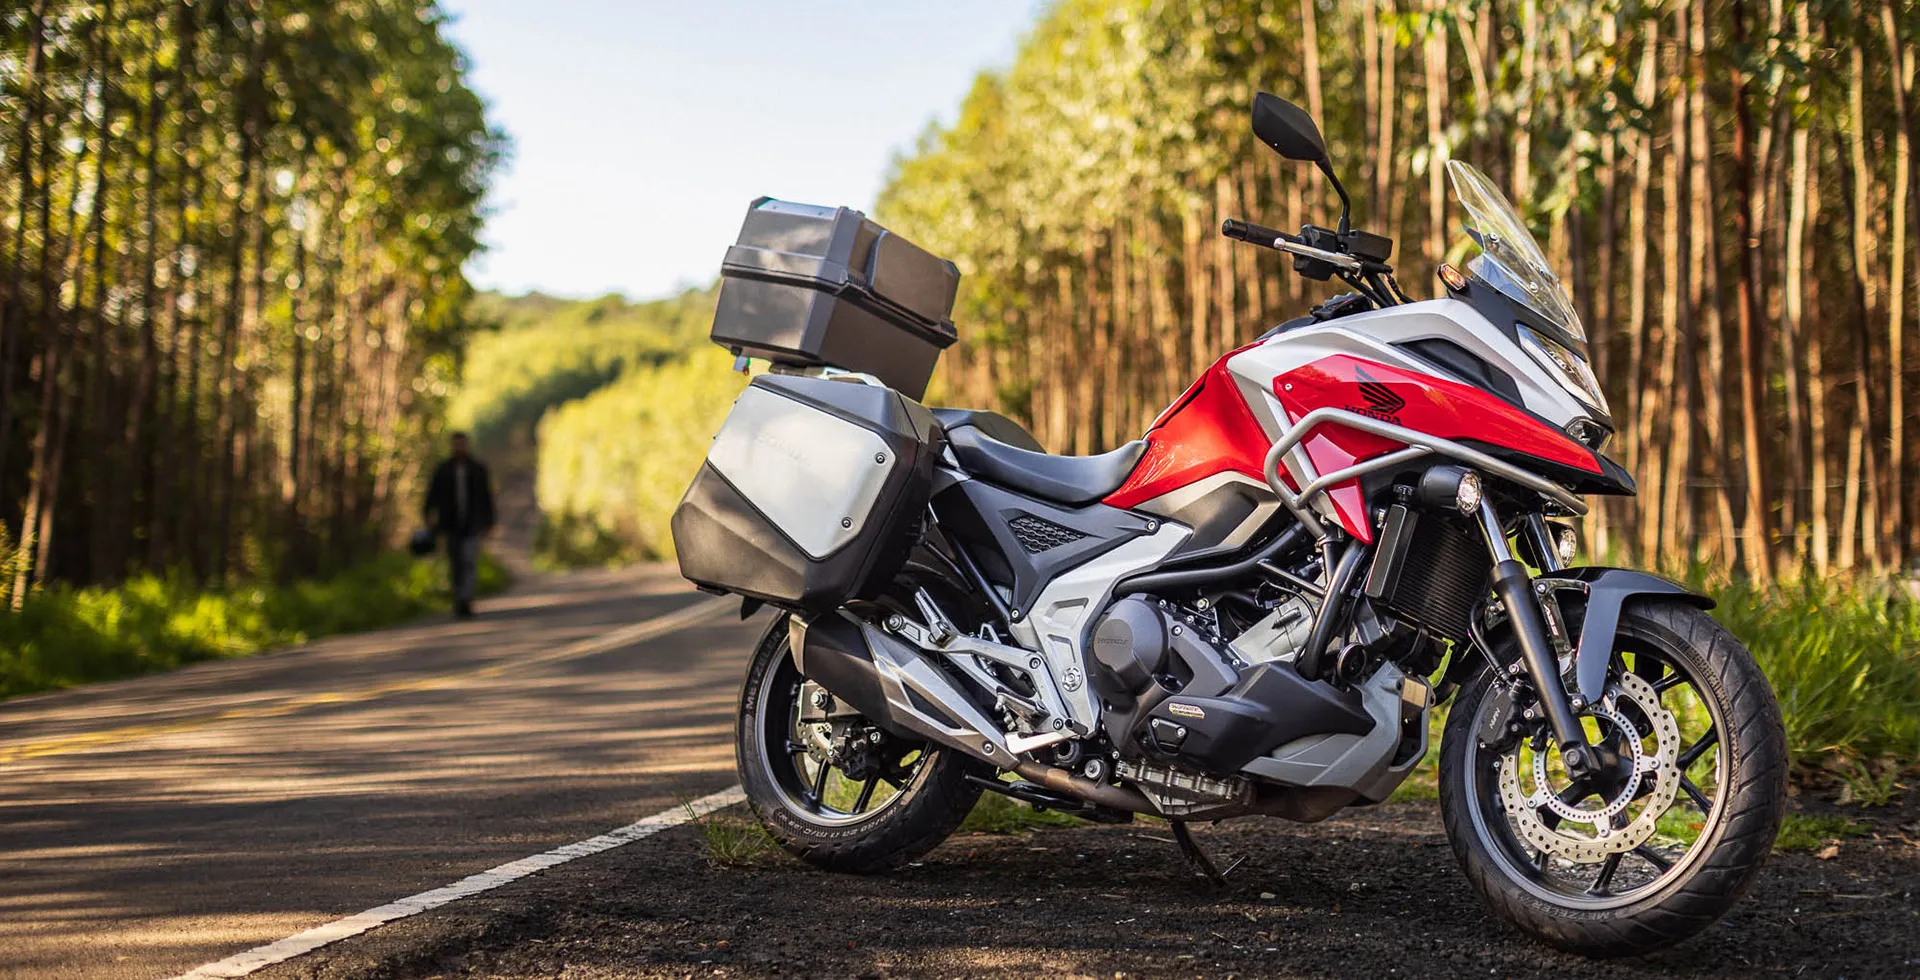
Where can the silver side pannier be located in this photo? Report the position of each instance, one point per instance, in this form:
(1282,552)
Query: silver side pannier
(810,494)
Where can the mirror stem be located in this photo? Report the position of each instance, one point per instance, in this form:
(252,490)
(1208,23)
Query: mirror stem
(1346,203)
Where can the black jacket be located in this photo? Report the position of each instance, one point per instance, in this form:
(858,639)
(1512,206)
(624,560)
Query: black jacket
(442,506)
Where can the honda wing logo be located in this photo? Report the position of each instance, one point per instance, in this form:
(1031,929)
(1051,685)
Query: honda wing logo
(1382,403)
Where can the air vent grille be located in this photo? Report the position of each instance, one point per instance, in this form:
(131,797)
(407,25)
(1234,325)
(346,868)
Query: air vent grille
(1037,534)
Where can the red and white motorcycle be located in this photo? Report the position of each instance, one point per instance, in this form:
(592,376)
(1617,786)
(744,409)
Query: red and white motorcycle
(1253,610)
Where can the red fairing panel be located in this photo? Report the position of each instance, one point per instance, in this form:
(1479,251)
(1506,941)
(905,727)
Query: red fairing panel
(1208,430)
(1418,401)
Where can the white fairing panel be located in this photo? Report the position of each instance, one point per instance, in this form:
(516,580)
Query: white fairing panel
(1372,335)
(815,476)
(1063,614)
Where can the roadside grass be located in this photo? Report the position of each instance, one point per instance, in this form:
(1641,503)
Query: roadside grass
(732,840)
(1844,661)
(64,636)
(1004,815)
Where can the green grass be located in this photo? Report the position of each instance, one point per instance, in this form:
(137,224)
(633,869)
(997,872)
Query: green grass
(732,840)
(64,636)
(1800,832)
(997,814)
(1844,661)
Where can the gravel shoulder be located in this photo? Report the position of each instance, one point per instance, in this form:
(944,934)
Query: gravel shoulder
(1372,893)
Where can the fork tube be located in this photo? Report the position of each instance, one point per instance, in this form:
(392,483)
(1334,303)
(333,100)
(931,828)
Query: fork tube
(1513,586)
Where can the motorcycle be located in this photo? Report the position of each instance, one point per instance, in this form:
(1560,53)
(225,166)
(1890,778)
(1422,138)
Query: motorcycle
(1255,609)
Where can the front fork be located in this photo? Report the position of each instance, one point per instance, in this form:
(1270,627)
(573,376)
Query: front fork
(1514,588)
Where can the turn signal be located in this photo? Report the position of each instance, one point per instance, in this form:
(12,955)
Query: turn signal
(1454,278)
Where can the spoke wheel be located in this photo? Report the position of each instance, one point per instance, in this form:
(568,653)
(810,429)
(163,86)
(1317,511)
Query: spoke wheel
(1603,843)
(835,770)
(833,788)
(1660,842)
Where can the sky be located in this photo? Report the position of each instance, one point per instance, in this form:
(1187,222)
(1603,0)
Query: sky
(641,130)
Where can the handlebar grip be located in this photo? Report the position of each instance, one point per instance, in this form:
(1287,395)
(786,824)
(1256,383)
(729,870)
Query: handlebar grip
(1242,231)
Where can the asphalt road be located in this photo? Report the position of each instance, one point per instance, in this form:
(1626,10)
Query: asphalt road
(153,825)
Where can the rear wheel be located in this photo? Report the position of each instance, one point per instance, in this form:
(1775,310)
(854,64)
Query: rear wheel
(832,788)
(1660,846)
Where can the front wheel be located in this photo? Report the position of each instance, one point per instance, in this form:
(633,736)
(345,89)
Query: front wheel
(832,788)
(1661,844)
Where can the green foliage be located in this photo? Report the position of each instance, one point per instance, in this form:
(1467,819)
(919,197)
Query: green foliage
(64,636)
(618,460)
(569,540)
(1844,661)
(254,216)
(546,352)
(623,398)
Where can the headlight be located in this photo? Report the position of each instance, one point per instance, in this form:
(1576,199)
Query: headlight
(1568,368)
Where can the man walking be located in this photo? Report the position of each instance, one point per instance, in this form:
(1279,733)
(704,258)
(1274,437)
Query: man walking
(460,505)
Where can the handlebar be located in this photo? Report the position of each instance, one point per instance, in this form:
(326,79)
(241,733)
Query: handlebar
(1280,241)
(1245,231)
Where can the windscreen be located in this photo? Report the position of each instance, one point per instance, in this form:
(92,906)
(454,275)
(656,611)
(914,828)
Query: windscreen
(1510,260)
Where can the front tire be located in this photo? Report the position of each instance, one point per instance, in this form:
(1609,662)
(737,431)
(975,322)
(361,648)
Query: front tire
(1715,766)
(840,794)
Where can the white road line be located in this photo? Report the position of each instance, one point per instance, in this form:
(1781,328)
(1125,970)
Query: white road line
(260,957)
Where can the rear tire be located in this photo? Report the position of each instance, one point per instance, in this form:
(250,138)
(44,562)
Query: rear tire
(1735,784)
(931,797)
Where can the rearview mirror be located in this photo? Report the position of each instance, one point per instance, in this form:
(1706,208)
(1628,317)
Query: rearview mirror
(1287,129)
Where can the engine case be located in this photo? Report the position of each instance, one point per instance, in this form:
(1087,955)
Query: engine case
(1172,696)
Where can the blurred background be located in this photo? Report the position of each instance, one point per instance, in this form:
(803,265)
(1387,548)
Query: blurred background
(258,256)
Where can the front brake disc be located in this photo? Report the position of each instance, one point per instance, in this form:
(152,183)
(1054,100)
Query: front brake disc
(1658,770)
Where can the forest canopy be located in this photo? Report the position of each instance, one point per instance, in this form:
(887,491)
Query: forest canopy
(231,297)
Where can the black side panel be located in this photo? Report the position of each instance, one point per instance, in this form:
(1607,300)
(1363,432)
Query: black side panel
(1271,706)
(1022,543)
(742,554)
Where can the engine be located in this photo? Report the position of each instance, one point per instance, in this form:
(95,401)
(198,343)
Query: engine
(1173,693)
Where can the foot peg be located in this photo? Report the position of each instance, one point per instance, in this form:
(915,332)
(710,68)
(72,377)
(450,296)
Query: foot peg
(1190,849)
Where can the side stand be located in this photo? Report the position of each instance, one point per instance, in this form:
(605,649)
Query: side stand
(1190,849)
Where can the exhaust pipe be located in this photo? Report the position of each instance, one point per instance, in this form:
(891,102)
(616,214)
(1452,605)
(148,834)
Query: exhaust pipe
(898,689)
(894,686)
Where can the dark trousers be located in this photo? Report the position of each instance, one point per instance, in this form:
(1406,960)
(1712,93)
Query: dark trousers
(463,555)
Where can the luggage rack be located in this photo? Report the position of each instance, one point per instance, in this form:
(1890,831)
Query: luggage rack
(1419,444)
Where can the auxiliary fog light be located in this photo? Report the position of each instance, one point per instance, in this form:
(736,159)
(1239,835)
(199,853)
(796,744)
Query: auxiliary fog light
(1566,544)
(1448,485)
(1467,498)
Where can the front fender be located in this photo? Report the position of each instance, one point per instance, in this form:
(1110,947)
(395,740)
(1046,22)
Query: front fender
(1607,590)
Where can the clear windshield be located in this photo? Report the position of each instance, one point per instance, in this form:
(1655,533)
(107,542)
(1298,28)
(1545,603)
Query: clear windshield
(1510,260)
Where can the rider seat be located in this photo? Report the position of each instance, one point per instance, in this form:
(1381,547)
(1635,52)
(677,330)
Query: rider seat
(996,449)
